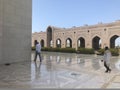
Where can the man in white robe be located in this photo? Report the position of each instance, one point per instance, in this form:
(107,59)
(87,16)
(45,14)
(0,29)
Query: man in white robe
(106,59)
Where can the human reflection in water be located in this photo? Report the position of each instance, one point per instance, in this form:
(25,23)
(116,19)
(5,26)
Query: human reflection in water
(95,64)
(68,61)
(37,70)
(58,59)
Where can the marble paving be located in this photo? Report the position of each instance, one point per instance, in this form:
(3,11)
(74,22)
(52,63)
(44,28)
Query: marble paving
(61,70)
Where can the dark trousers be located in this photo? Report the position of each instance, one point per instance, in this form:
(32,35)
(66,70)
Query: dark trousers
(107,67)
(37,54)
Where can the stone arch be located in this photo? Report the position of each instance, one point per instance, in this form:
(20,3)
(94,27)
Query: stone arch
(68,34)
(49,37)
(112,40)
(94,35)
(35,41)
(95,42)
(58,43)
(81,42)
(42,43)
(69,42)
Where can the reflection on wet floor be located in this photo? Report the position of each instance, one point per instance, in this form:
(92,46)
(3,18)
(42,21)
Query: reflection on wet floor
(58,59)
(117,64)
(78,66)
(85,60)
(37,70)
(60,70)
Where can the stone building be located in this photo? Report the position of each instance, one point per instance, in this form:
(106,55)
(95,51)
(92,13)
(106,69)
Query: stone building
(15,30)
(93,36)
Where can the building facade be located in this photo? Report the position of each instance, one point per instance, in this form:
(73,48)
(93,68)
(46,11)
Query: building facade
(15,30)
(93,36)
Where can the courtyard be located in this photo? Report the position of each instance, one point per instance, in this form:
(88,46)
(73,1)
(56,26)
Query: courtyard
(61,70)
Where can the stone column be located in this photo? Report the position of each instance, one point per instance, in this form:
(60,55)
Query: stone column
(1,28)
(16,30)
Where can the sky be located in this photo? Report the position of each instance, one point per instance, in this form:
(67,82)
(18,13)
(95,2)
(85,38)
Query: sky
(69,13)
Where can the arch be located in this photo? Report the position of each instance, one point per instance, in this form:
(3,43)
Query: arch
(58,43)
(49,37)
(42,43)
(96,35)
(95,42)
(35,42)
(69,43)
(112,41)
(81,42)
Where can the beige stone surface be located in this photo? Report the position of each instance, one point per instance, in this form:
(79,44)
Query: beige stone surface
(105,31)
(60,71)
(117,79)
(15,30)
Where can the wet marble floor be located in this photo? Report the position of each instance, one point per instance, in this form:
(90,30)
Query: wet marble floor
(61,70)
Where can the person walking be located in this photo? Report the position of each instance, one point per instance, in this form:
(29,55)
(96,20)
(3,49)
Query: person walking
(106,59)
(37,51)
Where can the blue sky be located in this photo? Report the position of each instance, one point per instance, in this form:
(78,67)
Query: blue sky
(68,13)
